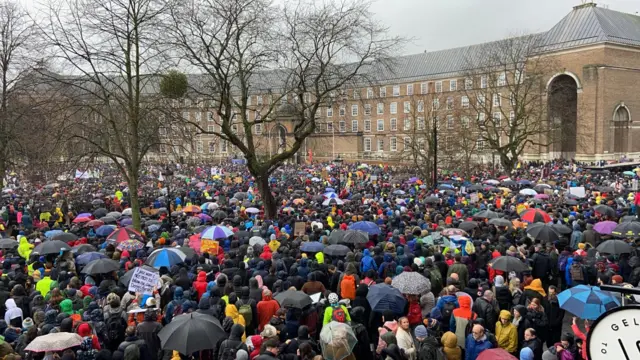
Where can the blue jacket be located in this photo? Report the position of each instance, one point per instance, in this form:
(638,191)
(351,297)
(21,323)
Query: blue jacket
(567,273)
(576,237)
(474,347)
(447,299)
(367,263)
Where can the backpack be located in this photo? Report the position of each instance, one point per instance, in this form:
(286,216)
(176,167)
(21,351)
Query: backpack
(562,262)
(429,350)
(415,314)
(177,309)
(116,327)
(229,352)
(576,272)
(447,311)
(348,287)
(338,315)
(469,328)
(246,312)
(436,278)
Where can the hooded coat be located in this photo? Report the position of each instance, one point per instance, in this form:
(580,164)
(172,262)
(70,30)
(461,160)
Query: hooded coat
(266,308)
(200,285)
(460,317)
(362,350)
(148,331)
(367,262)
(12,312)
(178,300)
(234,342)
(506,334)
(450,346)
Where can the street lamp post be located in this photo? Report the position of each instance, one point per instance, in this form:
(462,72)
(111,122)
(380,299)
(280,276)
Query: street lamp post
(168,175)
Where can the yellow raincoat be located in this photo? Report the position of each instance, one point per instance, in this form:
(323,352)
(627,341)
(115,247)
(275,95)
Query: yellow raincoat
(274,245)
(24,248)
(320,257)
(232,312)
(119,195)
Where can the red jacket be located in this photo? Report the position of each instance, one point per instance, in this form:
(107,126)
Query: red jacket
(266,308)
(266,253)
(200,284)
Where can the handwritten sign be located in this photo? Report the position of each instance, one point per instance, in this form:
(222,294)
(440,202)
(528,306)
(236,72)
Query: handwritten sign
(474,198)
(209,246)
(299,228)
(143,281)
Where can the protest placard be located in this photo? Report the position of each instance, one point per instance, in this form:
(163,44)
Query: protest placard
(209,246)
(300,228)
(143,281)
(578,191)
(474,198)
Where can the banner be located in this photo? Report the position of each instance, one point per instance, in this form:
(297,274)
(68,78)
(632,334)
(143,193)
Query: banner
(209,246)
(143,281)
(578,191)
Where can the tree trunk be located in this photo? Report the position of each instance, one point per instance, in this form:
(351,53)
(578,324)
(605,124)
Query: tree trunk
(3,170)
(507,163)
(270,206)
(134,200)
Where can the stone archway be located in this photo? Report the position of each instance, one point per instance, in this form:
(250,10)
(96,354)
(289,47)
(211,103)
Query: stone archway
(562,107)
(277,139)
(621,120)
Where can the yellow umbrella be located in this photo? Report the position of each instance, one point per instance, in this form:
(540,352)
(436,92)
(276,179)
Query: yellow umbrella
(299,201)
(505,190)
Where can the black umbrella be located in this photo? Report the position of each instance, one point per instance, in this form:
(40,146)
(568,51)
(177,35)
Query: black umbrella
(101,266)
(97,202)
(108,220)
(543,232)
(562,229)
(627,229)
(628,218)
(432,200)
(8,243)
(83,248)
(355,237)
(126,278)
(614,247)
(240,195)
(51,247)
(336,250)
(187,251)
(508,183)
(605,189)
(487,214)
(508,264)
(571,202)
(500,222)
(65,237)
(475,187)
(219,214)
(293,299)
(605,210)
(336,236)
(468,226)
(242,234)
(189,333)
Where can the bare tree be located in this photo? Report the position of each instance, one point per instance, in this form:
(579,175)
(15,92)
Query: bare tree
(506,89)
(295,58)
(112,54)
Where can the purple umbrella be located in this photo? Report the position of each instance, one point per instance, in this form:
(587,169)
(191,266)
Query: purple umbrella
(205,217)
(605,227)
(88,215)
(542,196)
(412,180)
(126,221)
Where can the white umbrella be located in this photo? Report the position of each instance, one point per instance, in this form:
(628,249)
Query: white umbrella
(54,342)
(257,240)
(252,210)
(332,201)
(528,192)
(127,212)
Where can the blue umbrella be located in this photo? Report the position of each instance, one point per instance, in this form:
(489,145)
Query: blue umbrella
(587,302)
(524,182)
(330,195)
(329,190)
(154,228)
(383,297)
(105,230)
(126,221)
(216,232)
(52,233)
(366,226)
(165,257)
(88,257)
(312,246)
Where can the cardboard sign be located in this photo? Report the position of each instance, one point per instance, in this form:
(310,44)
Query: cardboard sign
(209,246)
(227,180)
(238,180)
(300,228)
(143,281)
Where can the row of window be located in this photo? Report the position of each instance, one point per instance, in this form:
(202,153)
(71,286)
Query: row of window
(213,147)
(393,144)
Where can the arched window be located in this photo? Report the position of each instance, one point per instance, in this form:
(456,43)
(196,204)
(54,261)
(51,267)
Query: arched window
(622,114)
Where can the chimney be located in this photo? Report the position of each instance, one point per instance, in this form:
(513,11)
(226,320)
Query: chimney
(585,4)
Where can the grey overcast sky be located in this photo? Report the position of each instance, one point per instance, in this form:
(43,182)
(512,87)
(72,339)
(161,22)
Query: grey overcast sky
(442,24)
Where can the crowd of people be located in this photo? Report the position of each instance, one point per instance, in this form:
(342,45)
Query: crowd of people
(308,281)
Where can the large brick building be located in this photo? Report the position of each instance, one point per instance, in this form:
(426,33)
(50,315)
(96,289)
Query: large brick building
(596,56)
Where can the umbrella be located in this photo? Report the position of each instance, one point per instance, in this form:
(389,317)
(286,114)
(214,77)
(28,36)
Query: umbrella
(127,212)
(500,222)
(83,248)
(115,214)
(605,227)
(152,222)
(327,190)
(432,200)
(528,192)
(252,210)
(605,210)
(628,218)
(8,243)
(334,201)
(191,209)
(411,283)
(189,333)
(366,226)
(487,214)
(126,221)
(383,297)
(54,342)
(337,340)
(88,257)
(194,221)
(541,187)
(51,233)
(187,251)
(311,246)
(105,230)
(561,229)
(491,182)
(101,212)
(123,234)
(542,196)
(299,201)
(130,245)
(587,302)
(543,232)
(627,229)
(165,257)
(293,299)
(336,250)
(468,225)
(97,202)
(509,182)
(257,240)
(605,189)
(453,232)
(355,237)
(101,266)
(219,214)
(205,217)
(108,219)
(535,215)
(84,215)
(336,236)
(216,232)
(508,264)
(94,223)
(240,195)
(495,354)
(400,192)
(65,237)
(126,278)
(525,182)
(51,247)
(614,247)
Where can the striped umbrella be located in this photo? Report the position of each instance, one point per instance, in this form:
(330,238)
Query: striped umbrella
(165,257)
(216,232)
(535,215)
(123,234)
(587,302)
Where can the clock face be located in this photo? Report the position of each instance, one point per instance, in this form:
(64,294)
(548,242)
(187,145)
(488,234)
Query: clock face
(616,335)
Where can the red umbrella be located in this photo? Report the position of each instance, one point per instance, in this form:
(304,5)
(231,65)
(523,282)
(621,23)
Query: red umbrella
(94,224)
(496,354)
(123,234)
(535,215)
(81,220)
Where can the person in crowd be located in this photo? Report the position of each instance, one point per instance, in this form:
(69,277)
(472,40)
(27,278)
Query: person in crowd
(476,343)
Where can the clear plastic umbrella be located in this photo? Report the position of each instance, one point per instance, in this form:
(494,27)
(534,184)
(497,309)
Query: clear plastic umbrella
(337,340)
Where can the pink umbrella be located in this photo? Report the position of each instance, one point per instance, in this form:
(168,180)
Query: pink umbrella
(542,196)
(495,354)
(201,184)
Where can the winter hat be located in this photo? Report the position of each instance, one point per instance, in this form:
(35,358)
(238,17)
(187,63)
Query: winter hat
(499,280)
(269,331)
(27,323)
(618,279)
(333,298)
(242,355)
(420,331)
(526,354)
